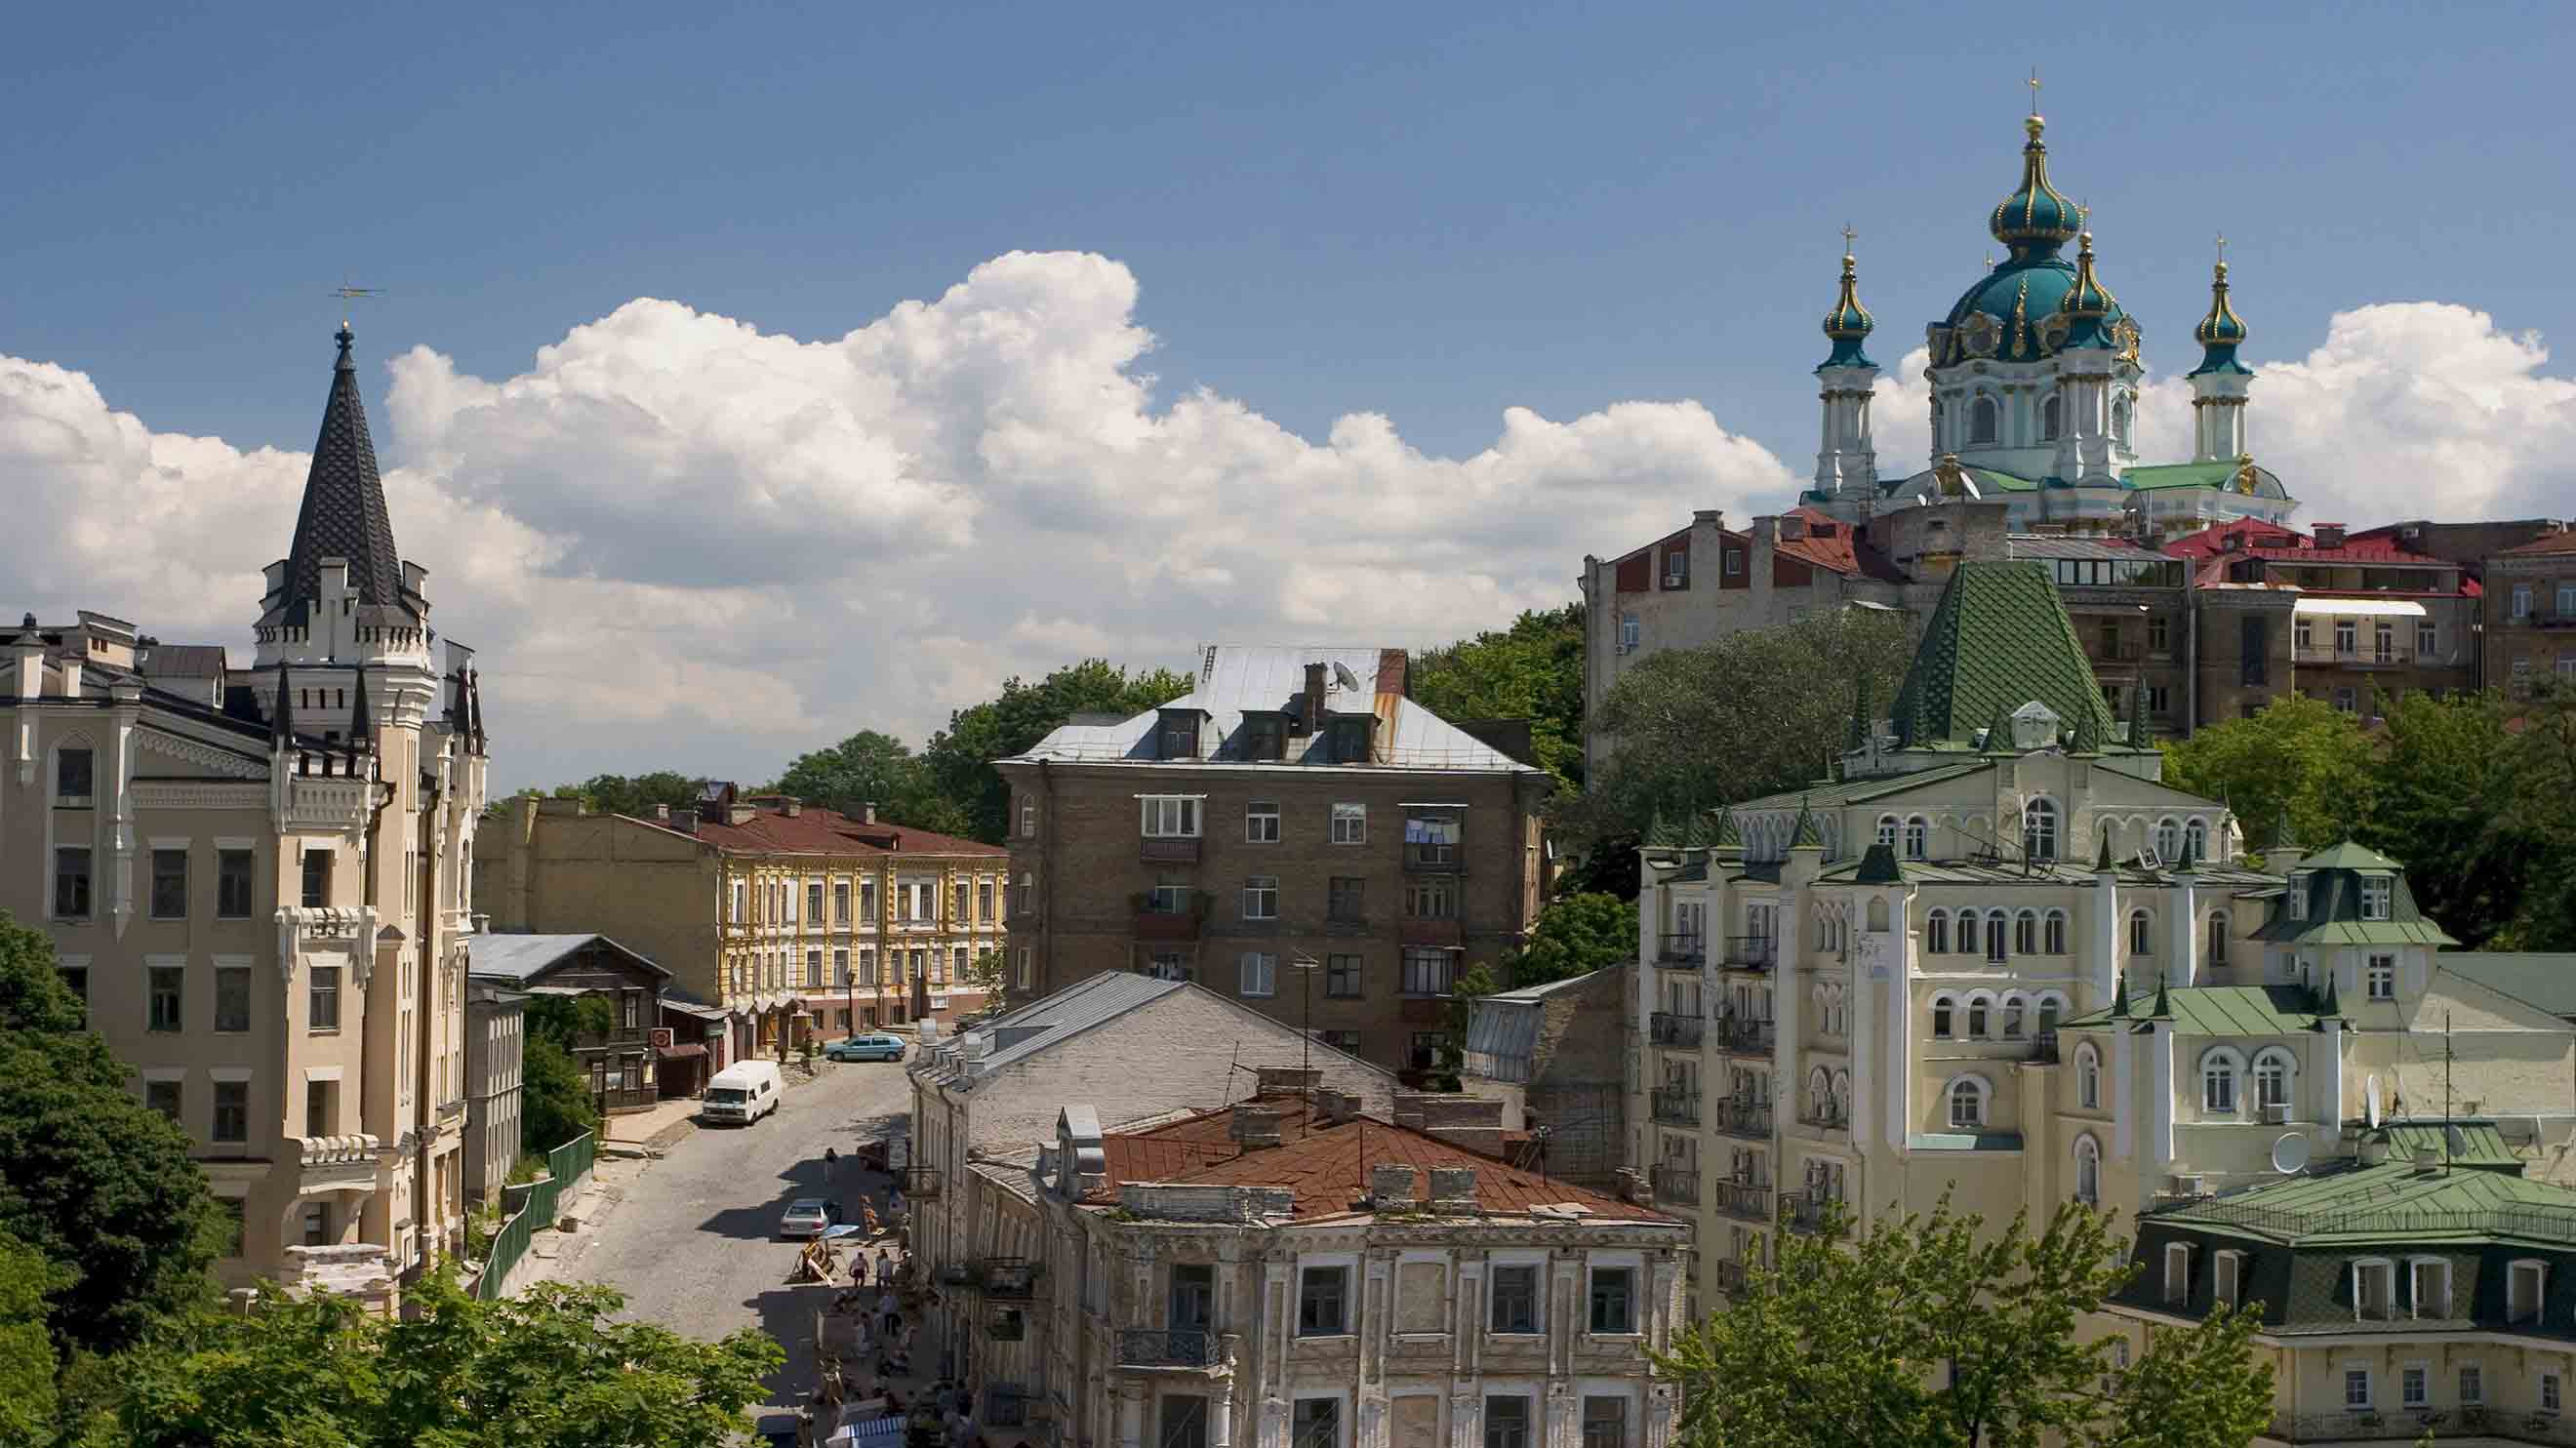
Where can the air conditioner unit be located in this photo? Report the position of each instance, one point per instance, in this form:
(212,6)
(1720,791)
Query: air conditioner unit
(659,1038)
(1673,580)
(2187,1184)
(2276,1116)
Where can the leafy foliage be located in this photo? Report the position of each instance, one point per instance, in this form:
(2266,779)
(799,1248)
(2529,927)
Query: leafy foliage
(1576,935)
(1532,670)
(2542,811)
(632,795)
(555,1104)
(1931,1332)
(1758,711)
(1475,981)
(552,1369)
(97,1184)
(874,768)
(27,1358)
(960,757)
(2298,755)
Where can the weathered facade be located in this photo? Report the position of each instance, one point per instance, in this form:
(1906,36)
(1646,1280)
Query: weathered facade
(496,1040)
(2530,608)
(622,1060)
(1556,1057)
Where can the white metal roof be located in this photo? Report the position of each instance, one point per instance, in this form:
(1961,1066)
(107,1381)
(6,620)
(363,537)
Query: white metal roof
(2359,607)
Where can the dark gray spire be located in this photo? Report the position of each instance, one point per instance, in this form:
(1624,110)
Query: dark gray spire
(281,720)
(362,724)
(344,507)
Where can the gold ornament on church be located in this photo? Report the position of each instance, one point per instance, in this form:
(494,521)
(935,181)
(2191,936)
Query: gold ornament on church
(1979,334)
(2246,476)
(1951,478)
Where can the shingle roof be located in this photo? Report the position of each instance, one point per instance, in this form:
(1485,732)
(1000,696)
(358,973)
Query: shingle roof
(524,957)
(1327,1166)
(1999,639)
(2332,881)
(344,513)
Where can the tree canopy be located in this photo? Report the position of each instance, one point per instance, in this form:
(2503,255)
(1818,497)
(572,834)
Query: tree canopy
(960,757)
(98,1185)
(874,768)
(1576,935)
(1934,1332)
(632,795)
(552,1369)
(1532,670)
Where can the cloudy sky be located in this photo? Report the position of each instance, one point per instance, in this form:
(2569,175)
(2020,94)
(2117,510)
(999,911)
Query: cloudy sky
(743,384)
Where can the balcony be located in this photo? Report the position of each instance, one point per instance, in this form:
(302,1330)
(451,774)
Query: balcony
(1745,1037)
(1745,1201)
(1673,1028)
(1160,915)
(1150,1348)
(921,1183)
(1449,859)
(2407,1425)
(1682,952)
(2353,658)
(1735,1117)
(1168,850)
(1728,1275)
(1830,1116)
(1676,1184)
(335,1163)
(1809,1214)
(1751,952)
(1013,1279)
(1676,1107)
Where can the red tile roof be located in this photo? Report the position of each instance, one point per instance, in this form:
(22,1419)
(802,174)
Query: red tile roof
(1327,1166)
(2247,531)
(816,831)
(2563,542)
(1831,543)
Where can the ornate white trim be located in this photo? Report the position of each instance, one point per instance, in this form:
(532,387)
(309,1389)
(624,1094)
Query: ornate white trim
(203,755)
(201,794)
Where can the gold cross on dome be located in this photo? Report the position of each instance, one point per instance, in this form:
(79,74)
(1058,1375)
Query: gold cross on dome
(1848,236)
(2222,246)
(2034,90)
(347,294)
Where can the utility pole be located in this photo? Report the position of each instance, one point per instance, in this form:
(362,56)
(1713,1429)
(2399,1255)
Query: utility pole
(1305,965)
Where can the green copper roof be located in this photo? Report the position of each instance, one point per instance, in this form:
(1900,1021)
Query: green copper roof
(2036,219)
(2349,856)
(2331,882)
(2193,475)
(2395,1203)
(1999,639)
(2216,1010)
(1807,834)
(2479,1143)
(1848,324)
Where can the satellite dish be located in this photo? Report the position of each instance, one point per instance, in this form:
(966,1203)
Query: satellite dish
(2456,1139)
(2370,1093)
(2290,1153)
(1342,675)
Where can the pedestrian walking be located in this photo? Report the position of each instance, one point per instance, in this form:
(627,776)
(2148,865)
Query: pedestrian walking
(831,1163)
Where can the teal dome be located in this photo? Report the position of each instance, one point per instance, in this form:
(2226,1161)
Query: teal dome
(2036,219)
(2219,333)
(2017,313)
(1848,324)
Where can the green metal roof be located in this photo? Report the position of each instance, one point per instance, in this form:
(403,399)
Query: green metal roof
(2331,882)
(2479,1145)
(2349,856)
(1830,793)
(1999,639)
(2218,1010)
(1963,1141)
(2398,1203)
(2189,475)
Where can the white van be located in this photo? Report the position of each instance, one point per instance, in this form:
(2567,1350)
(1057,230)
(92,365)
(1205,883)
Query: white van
(742,1093)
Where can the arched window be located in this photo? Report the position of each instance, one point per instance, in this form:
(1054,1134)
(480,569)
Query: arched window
(1887,831)
(2026,933)
(2050,1008)
(2142,933)
(2039,829)
(2120,421)
(1936,933)
(2168,839)
(1967,932)
(1978,1011)
(2275,1073)
(2088,1077)
(2014,1009)
(2088,1171)
(1842,1093)
(2196,839)
(1967,1102)
(1995,923)
(2217,937)
(2052,418)
(1877,912)
(1984,420)
(1820,1095)
(2053,933)
(1918,838)
(1941,1018)
(2218,1073)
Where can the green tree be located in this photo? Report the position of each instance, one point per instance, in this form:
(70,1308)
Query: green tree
(95,1182)
(1757,711)
(1532,670)
(1472,983)
(2442,803)
(632,795)
(1576,935)
(1934,1333)
(2542,755)
(2297,754)
(27,1358)
(986,973)
(555,1104)
(960,757)
(873,768)
(552,1369)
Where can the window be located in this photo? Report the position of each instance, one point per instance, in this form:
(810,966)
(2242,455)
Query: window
(1426,971)
(1346,898)
(2346,636)
(2159,634)
(1261,897)
(1734,562)
(317,1108)
(1967,1103)
(231,1121)
(322,999)
(2168,839)
(2383,642)
(840,967)
(2039,829)
(813,902)
(1028,816)
(2428,639)
(75,776)
(1507,1422)
(1605,1422)
(2272,1080)
(1614,1308)
(1887,828)
(1323,1301)
(1936,933)
(2521,607)
(2549,1392)
(1941,1022)
(163,1096)
(1170,816)
(2347,701)
(741,910)
(2523,1286)
(165,986)
(813,981)
(317,879)
(232,998)
(2088,1171)
(1515,1301)
(2566,600)
(2473,1385)
(2013,1011)
(2142,933)
(1350,824)
(2218,937)
(317,1224)
(2051,417)
(1918,837)
(2356,1389)
(2218,1085)
(2052,933)
(71,882)
(1317,1424)
(1435,898)
(1967,932)
(1627,633)
(169,884)
(2383,977)
(232,884)
(2375,892)
(1431,839)
(2227,1278)
(1977,1023)
(1340,1040)
(2159,700)
(2195,840)
(2374,1290)
(1261,822)
(961,903)
(1184,1422)
(2254,652)
(2429,1285)
(1024,898)
(2088,1078)
(1023,976)
(1342,977)
(1260,974)
(1177,736)
(1983,420)
(2177,1272)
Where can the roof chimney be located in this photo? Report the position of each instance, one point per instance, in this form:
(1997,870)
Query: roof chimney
(1314,700)
(1392,1183)
(662,812)
(790,806)
(1285,1080)
(868,813)
(1453,1189)
(1336,1108)
(685,821)
(1254,1126)
(2330,535)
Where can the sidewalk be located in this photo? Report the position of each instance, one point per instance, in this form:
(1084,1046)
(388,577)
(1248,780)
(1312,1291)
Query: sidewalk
(652,1132)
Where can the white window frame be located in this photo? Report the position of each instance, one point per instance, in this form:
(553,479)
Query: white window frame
(1260,897)
(2052,932)
(1258,975)
(2039,828)
(2550,1396)
(2470,1379)
(2537,1273)
(2416,1268)
(2363,1269)
(2288,1074)
(1980,1093)
(2414,1386)
(1918,838)
(1256,814)
(2222,1073)
(2377,892)
(2176,1288)
(1349,823)
(2088,1078)
(2379,976)
(2088,1164)
(2361,1373)
(1169,816)
(2227,1277)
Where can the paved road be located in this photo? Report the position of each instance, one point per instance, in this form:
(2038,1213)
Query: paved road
(693,1243)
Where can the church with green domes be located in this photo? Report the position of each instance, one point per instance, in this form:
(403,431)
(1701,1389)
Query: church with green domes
(2035,375)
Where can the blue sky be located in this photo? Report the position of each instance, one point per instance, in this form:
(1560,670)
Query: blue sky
(1340,323)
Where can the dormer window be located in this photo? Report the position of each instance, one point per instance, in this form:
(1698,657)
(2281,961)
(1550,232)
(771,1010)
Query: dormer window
(1265,736)
(1346,739)
(2375,893)
(1177,735)
(2298,897)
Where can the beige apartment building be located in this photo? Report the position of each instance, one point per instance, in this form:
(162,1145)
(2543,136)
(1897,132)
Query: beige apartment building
(2531,614)
(794,921)
(257,880)
(1294,833)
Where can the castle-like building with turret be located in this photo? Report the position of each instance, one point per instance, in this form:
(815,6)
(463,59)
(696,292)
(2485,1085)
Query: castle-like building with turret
(257,880)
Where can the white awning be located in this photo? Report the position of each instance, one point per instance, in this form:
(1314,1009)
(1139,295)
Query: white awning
(2359,607)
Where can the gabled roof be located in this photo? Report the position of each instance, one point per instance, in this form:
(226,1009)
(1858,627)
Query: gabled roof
(2559,542)
(2393,1203)
(2216,1010)
(1835,545)
(344,514)
(2251,532)
(1999,639)
(523,958)
(1015,1035)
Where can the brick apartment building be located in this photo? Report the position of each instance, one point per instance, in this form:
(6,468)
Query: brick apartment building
(2531,613)
(1294,806)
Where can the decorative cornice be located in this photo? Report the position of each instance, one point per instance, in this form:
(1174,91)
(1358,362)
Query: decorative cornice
(200,794)
(204,755)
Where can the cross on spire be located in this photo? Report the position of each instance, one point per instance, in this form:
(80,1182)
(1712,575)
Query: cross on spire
(1848,236)
(2222,246)
(347,294)
(2034,90)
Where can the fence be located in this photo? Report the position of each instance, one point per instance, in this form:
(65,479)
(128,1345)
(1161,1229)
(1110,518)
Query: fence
(565,1165)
